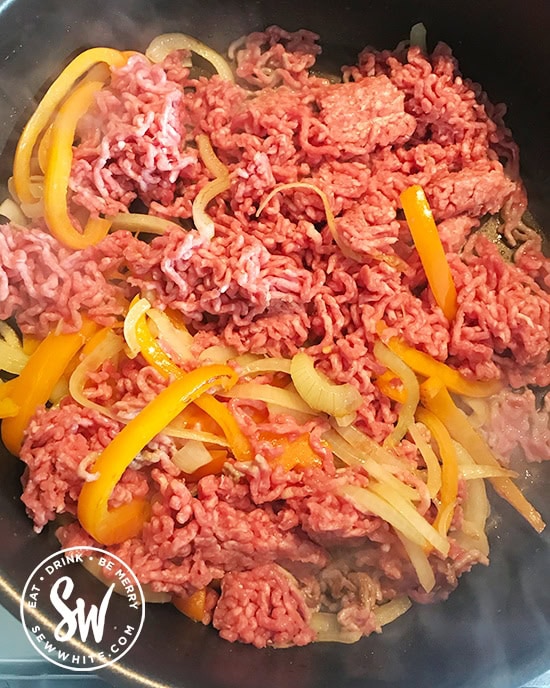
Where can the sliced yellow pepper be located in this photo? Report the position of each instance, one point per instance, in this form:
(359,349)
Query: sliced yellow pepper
(38,378)
(436,398)
(8,408)
(58,172)
(430,249)
(426,365)
(113,526)
(46,108)
(449,469)
(386,384)
(155,355)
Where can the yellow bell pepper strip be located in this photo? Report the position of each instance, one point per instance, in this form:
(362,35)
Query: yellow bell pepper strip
(38,378)
(8,408)
(111,526)
(436,398)
(430,249)
(427,366)
(449,469)
(192,606)
(30,344)
(58,171)
(155,355)
(46,108)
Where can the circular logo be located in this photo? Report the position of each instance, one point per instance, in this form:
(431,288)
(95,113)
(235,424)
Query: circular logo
(72,620)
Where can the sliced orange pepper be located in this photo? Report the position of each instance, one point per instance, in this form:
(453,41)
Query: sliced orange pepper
(426,365)
(58,172)
(214,467)
(297,453)
(155,355)
(192,606)
(436,398)
(449,468)
(430,249)
(38,378)
(111,526)
(386,383)
(8,408)
(46,108)
(30,344)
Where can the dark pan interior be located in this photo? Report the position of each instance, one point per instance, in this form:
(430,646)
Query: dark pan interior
(494,630)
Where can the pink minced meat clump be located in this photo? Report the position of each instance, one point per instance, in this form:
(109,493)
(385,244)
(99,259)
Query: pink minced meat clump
(279,545)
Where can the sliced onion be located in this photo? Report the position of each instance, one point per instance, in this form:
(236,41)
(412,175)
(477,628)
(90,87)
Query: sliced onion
(202,221)
(354,457)
(476,471)
(12,359)
(406,412)
(13,212)
(433,482)
(329,630)
(208,156)
(192,456)
(179,339)
(418,36)
(9,335)
(270,395)
(139,308)
(420,563)
(218,354)
(137,222)
(266,365)
(398,512)
(176,429)
(475,508)
(167,43)
(386,613)
(108,348)
(319,392)
(366,444)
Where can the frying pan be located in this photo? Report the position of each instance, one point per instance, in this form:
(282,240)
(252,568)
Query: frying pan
(494,631)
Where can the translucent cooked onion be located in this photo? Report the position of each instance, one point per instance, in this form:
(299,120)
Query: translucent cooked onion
(179,339)
(13,212)
(270,395)
(406,412)
(209,158)
(177,429)
(420,563)
(136,310)
(398,512)
(192,456)
(267,365)
(12,357)
(418,36)
(137,222)
(433,466)
(329,630)
(366,444)
(202,221)
(390,611)
(475,508)
(319,392)
(331,222)
(218,354)
(354,457)
(109,348)
(167,43)
(476,471)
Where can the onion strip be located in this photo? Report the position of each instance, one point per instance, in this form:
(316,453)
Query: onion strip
(433,482)
(138,222)
(266,365)
(161,46)
(348,454)
(420,563)
(321,393)
(406,413)
(329,630)
(202,221)
(270,394)
(138,308)
(390,611)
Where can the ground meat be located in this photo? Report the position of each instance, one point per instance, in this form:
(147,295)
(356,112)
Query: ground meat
(283,544)
(263,607)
